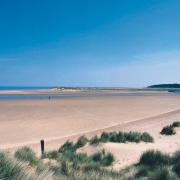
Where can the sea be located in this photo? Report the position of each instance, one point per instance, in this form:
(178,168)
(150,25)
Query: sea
(16,88)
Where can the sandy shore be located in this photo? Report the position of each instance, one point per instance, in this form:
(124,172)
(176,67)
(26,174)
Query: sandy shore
(26,122)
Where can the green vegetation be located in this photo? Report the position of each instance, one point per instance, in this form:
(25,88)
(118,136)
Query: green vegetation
(121,137)
(94,140)
(165,86)
(105,159)
(67,146)
(153,165)
(82,141)
(13,169)
(27,155)
(154,158)
(64,164)
(176,168)
(170,130)
(162,173)
(176,124)
(73,165)
(156,166)
(67,163)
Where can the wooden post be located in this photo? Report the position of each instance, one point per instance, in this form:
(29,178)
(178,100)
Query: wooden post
(42,147)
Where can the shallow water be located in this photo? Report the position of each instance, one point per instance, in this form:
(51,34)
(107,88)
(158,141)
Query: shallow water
(72,95)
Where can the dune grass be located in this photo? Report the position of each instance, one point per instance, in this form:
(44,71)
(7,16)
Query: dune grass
(94,140)
(170,129)
(153,165)
(176,124)
(82,141)
(67,146)
(71,165)
(67,163)
(13,169)
(105,159)
(27,155)
(154,158)
(121,137)
(162,173)
(156,165)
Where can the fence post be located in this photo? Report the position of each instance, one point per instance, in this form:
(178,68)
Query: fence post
(42,147)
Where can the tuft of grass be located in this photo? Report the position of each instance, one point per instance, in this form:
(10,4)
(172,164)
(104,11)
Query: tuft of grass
(79,158)
(91,167)
(154,158)
(168,130)
(176,124)
(176,168)
(133,137)
(65,168)
(176,162)
(9,169)
(113,137)
(82,141)
(143,171)
(94,140)
(27,155)
(146,137)
(108,159)
(122,137)
(67,146)
(104,137)
(51,155)
(13,169)
(161,173)
(176,157)
(105,159)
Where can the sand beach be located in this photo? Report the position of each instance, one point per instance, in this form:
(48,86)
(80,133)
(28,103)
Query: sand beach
(27,121)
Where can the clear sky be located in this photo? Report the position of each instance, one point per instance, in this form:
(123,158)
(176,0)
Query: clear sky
(89,42)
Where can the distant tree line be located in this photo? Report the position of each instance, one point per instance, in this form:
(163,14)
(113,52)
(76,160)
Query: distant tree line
(165,86)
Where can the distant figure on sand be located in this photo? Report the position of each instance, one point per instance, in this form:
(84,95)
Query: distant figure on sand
(49,97)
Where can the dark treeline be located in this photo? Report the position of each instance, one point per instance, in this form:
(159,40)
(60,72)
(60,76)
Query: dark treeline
(165,86)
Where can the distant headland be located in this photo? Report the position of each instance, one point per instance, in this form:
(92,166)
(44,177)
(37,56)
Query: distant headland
(165,86)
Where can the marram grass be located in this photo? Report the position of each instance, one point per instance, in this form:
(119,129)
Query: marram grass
(67,164)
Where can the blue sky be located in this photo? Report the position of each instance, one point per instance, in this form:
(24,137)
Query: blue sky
(89,42)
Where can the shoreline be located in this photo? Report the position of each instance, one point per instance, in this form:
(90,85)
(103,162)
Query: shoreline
(88,90)
(24,122)
(54,94)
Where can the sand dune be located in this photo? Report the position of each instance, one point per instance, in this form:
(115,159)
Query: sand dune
(129,153)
